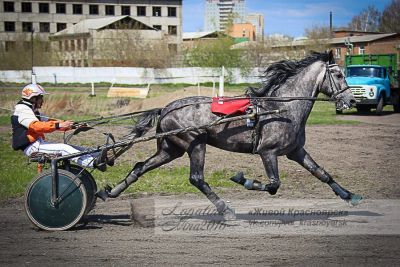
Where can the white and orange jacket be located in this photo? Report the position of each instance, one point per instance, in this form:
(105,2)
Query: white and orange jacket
(28,125)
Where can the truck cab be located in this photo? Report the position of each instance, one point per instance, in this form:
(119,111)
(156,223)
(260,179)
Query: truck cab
(370,84)
(373,81)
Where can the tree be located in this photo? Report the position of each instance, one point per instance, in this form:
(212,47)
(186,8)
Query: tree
(215,53)
(367,21)
(391,17)
(318,37)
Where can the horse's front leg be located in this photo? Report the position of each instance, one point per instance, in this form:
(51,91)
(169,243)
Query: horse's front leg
(270,162)
(304,159)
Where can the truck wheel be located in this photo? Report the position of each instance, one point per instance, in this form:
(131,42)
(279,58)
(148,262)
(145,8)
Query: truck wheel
(379,107)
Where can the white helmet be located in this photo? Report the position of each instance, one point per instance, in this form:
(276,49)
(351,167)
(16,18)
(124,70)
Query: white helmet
(32,90)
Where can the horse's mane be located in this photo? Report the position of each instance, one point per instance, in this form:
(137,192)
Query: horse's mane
(277,73)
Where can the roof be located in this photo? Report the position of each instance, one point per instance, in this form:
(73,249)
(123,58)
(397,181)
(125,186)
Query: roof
(338,40)
(198,35)
(361,38)
(84,26)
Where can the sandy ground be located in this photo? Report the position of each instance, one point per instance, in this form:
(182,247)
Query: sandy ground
(363,158)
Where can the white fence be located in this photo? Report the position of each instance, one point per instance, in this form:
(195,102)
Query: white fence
(125,75)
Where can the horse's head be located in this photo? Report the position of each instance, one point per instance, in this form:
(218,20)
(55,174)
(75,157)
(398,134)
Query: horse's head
(336,87)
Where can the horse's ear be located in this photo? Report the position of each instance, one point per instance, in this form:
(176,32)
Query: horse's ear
(331,59)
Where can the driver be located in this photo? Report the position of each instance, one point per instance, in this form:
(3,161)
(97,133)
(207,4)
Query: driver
(29,127)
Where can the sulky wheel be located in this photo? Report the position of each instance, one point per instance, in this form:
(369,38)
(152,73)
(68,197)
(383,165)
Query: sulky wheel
(88,181)
(68,210)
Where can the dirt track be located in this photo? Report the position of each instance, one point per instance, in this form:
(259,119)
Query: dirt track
(363,158)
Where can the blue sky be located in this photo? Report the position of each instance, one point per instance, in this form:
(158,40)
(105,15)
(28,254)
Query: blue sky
(289,17)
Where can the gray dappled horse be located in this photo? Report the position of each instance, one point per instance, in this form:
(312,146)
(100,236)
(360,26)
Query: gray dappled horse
(279,134)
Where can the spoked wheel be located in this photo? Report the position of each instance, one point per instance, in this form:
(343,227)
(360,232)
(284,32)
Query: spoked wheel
(68,210)
(88,181)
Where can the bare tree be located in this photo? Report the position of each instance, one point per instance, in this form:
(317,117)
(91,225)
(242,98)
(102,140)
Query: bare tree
(367,21)
(317,37)
(390,20)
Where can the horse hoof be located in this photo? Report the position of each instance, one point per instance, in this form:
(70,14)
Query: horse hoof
(355,199)
(103,194)
(229,214)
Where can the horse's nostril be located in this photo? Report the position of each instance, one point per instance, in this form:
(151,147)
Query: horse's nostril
(353,101)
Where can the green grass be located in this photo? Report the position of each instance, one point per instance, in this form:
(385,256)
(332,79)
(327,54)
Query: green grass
(323,112)
(164,179)
(15,172)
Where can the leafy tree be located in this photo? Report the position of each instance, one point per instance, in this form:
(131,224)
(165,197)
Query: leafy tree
(215,53)
(390,20)
(367,21)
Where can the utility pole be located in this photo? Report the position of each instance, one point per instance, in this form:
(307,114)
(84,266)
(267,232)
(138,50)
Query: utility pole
(33,76)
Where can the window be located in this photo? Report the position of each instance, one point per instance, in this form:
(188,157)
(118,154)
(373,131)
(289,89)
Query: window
(60,8)
(9,26)
(125,10)
(338,53)
(8,6)
(77,9)
(173,48)
(27,26)
(157,27)
(156,11)
(93,9)
(110,10)
(361,50)
(141,11)
(10,45)
(171,11)
(72,45)
(43,7)
(26,7)
(44,27)
(61,26)
(172,30)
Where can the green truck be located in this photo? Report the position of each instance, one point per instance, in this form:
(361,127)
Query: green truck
(374,81)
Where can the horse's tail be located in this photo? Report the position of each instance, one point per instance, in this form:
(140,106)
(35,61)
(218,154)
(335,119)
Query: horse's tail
(146,121)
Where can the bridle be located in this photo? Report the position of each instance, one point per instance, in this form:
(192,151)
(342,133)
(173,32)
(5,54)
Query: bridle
(332,84)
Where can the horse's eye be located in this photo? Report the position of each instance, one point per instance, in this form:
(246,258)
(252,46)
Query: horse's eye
(339,76)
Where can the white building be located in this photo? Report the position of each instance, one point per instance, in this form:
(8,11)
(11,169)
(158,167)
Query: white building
(219,12)
(258,21)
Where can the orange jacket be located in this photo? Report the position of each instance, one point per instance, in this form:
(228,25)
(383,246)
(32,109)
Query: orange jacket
(39,128)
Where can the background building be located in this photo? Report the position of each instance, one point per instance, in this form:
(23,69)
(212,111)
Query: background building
(243,32)
(218,13)
(117,40)
(18,18)
(258,21)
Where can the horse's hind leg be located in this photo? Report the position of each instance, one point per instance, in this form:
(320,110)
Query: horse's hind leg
(304,159)
(167,151)
(196,152)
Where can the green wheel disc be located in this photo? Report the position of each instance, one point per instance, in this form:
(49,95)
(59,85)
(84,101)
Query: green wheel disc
(69,209)
(89,183)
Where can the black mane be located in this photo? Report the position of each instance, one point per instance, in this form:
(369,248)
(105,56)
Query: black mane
(277,73)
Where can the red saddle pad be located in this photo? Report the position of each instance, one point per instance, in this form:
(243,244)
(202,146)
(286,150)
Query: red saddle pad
(224,106)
